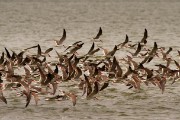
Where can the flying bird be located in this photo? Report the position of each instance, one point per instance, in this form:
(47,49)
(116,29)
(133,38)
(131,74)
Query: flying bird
(125,42)
(98,34)
(59,42)
(137,50)
(144,39)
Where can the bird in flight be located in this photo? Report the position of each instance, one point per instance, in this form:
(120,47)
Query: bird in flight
(59,42)
(98,34)
(144,39)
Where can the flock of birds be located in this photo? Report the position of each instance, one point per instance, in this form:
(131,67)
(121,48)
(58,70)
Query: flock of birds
(92,73)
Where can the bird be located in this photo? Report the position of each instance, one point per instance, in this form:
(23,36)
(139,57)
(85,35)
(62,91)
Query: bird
(105,85)
(111,53)
(144,39)
(73,45)
(125,42)
(95,90)
(92,50)
(91,73)
(128,72)
(76,47)
(148,71)
(151,54)
(72,97)
(166,53)
(137,50)
(98,34)
(28,97)
(62,39)
(40,53)
(2,98)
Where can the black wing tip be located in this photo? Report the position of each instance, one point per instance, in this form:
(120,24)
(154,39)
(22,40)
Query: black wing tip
(100,29)
(64,30)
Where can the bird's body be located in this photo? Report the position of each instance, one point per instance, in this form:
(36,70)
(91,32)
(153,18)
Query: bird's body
(62,39)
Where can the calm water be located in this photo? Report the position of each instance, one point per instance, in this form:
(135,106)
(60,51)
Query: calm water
(27,23)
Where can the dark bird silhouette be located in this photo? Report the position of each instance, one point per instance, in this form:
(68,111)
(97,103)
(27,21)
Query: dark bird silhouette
(28,97)
(144,39)
(137,50)
(30,47)
(2,97)
(105,85)
(98,34)
(40,53)
(2,58)
(59,42)
(125,42)
(73,45)
(166,53)
(91,49)
(177,64)
(111,53)
(7,53)
(151,54)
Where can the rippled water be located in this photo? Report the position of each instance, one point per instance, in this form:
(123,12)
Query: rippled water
(27,23)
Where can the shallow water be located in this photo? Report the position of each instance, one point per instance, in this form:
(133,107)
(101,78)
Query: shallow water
(27,23)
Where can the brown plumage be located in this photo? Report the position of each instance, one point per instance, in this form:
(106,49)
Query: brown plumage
(72,97)
(95,90)
(28,97)
(88,85)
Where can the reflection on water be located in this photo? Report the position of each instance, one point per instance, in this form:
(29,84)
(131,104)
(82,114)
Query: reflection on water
(27,23)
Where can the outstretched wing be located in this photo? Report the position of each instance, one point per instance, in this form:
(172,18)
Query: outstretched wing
(63,37)
(99,34)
